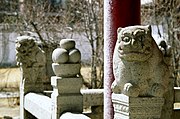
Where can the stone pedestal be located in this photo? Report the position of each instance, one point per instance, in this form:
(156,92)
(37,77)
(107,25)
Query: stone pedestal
(66,95)
(136,108)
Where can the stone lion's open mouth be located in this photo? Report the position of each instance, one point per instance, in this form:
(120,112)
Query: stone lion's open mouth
(134,55)
(144,51)
(133,52)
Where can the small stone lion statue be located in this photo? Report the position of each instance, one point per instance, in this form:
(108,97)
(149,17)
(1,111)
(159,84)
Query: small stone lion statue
(32,61)
(28,54)
(138,64)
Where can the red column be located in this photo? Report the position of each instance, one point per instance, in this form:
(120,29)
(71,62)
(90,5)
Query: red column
(117,13)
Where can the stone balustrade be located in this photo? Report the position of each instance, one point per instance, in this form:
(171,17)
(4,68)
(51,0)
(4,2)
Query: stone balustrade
(95,99)
(66,98)
(144,99)
(40,106)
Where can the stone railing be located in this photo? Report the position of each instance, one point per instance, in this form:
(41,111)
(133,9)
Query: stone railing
(94,98)
(41,107)
(66,97)
(141,93)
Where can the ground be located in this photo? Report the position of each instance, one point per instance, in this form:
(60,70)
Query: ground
(7,109)
(9,81)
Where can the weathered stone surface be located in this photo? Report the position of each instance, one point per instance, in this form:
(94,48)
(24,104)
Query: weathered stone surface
(66,85)
(177,94)
(71,102)
(96,112)
(38,105)
(140,67)
(32,61)
(138,64)
(126,107)
(67,44)
(28,54)
(69,115)
(66,88)
(66,103)
(176,114)
(60,55)
(74,56)
(66,70)
(93,97)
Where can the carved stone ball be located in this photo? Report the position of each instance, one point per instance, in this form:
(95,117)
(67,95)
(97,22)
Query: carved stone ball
(66,70)
(67,44)
(74,56)
(60,55)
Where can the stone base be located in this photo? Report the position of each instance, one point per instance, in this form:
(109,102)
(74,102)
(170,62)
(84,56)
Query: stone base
(66,103)
(136,108)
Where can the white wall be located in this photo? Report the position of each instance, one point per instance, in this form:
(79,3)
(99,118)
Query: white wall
(8,54)
(7,48)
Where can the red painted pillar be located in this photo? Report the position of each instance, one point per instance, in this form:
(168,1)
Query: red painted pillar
(117,13)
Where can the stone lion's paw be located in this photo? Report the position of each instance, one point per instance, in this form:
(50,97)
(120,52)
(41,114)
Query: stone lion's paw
(131,90)
(157,90)
(115,88)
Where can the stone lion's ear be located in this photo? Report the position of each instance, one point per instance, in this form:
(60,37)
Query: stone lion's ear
(119,29)
(149,29)
(118,35)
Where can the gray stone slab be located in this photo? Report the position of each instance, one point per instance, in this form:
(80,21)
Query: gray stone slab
(66,103)
(73,99)
(177,94)
(69,115)
(66,85)
(93,97)
(38,105)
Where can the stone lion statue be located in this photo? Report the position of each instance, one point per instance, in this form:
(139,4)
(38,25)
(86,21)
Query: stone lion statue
(28,54)
(32,61)
(138,64)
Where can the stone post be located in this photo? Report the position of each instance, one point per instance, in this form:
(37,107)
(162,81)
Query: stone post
(66,96)
(117,13)
(126,107)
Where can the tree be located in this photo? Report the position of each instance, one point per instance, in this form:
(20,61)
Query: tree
(50,21)
(167,14)
(92,20)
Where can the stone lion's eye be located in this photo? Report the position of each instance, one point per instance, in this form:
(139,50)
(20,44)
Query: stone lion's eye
(141,38)
(126,39)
